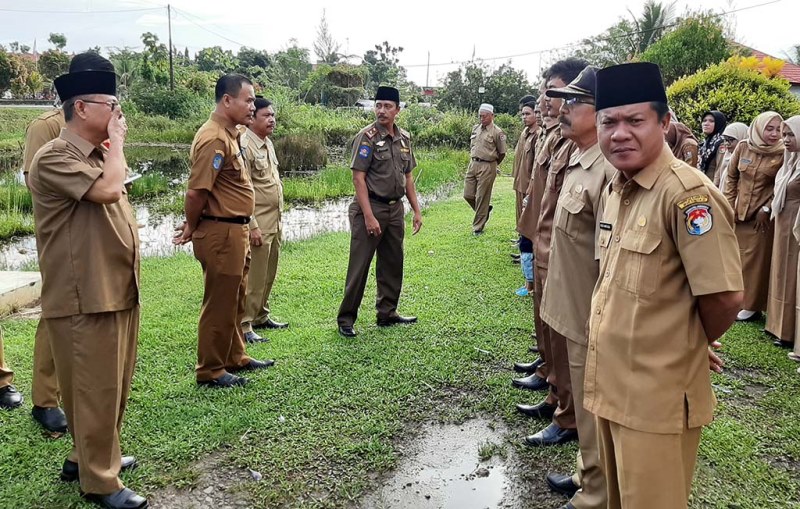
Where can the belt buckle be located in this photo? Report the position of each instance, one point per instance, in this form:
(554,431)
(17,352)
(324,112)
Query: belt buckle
(392,202)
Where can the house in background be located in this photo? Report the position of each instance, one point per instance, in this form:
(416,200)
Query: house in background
(790,71)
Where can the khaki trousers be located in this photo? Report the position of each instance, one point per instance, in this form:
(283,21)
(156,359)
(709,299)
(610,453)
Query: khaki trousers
(593,492)
(44,386)
(263,267)
(388,268)
(546,370)
(647,469)
(564,416)
(94,356)
(6,375)
(223,250)
(478,191)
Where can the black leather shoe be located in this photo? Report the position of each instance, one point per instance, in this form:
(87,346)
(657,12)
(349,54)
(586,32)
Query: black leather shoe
(347,331)
(515,256)
(568,505)
(271,324)
(489,212)
(528,367)
(253,365)
(122,499)
(224,382)
(540,411)
(533,383)
(768,333)
(396,320)
(10,397)
(252,338)
(552,435)
(562,484)
(783,344)
(70,473)
(51,419)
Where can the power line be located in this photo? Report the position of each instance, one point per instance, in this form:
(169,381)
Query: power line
(187,18)
(80,12)
(574,44)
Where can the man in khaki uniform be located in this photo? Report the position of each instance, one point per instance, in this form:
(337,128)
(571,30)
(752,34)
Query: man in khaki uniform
(670,284)
(9,395)
(524,154)
(44,384)
(265,227)
(487,149)
(88,243)
(382,163)
(219,205)
(573,273)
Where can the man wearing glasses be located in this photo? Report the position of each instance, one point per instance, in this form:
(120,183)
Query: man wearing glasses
(88,244)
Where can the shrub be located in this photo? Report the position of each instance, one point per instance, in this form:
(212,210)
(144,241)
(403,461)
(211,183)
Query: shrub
(739,93)
(300,152)
(178,103)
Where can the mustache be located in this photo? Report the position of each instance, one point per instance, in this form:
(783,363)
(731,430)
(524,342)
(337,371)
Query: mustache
(563,120)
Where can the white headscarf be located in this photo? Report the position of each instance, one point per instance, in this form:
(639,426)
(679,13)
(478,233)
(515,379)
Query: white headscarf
(737,131)
(790,169)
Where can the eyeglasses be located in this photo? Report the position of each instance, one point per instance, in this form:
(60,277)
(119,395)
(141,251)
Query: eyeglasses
(112,104)
(569,101)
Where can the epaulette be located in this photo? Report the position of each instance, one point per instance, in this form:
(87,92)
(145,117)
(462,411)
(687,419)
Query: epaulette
(50,114)
(405,133)
(59,143)
(689,177)
(371,132)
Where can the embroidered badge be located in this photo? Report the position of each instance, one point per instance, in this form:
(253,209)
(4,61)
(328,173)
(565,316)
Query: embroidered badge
(381,143)
(578,188)
(502,136)
(698,219)
(364,151)
(217,162)
(692,200)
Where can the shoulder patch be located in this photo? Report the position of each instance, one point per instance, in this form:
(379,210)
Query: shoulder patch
(219,157)
(693,200)
(689,177)
(371,132)
(698,219)
(364,151)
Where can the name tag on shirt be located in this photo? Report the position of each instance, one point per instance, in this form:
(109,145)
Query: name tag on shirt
(606,226)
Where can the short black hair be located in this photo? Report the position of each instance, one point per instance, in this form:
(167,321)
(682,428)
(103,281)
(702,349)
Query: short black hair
(530,104)
(526,99)
(261,102)
(230,84)
(660,108)
(567,69)
(69,108)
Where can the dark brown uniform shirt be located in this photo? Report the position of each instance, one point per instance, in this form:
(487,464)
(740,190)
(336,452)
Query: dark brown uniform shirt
(218,167)
(88,252)
(524,155)
(385,159)
(44,128)
(556,170)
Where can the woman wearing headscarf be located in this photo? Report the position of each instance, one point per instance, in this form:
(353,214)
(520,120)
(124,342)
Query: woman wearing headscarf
(682,142)
(731,136)
(785,249)
(749,189)
(709,156)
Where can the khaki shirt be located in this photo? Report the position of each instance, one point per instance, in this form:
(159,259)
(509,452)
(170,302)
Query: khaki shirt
(574,251)
(751,181)
(556,171)
(487,143)
(524,156)
(385,159)
(44,128)
(88,252)
(666,239)
(262,164)
(529,219)
(689,151)
(219,168)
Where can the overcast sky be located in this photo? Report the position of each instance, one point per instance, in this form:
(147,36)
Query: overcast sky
(450,31)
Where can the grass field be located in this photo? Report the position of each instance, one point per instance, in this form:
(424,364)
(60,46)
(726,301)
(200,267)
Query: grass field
(334,413)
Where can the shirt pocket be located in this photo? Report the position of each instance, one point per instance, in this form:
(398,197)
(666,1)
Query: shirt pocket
(639,262)
(566,215)
(382,154)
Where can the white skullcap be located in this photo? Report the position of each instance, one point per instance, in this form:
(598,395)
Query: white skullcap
(486,107)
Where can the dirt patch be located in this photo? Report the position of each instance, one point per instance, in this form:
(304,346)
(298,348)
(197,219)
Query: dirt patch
(220,485)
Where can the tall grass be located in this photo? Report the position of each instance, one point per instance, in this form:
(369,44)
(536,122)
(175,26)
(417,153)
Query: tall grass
(16,207)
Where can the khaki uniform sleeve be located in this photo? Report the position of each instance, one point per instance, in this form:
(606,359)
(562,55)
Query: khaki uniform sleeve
(205,156)
(689,153)
(362,153)
(38,133)
(249,158)
(704,236)
(63,174)
(500,142)
(732,179)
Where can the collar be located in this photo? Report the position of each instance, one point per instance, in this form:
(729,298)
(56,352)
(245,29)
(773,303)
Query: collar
(385,132)
(587,157)
(259,142)
(647,176)
(83,145)
(223,122)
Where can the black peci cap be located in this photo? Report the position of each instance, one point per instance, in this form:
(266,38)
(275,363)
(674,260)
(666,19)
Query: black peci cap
(388,94)
(634,83)
(89,73)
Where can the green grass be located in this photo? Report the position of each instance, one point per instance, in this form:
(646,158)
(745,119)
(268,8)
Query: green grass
(334,412)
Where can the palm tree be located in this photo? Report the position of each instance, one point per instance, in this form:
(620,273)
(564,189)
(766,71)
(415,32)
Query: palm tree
(652,24)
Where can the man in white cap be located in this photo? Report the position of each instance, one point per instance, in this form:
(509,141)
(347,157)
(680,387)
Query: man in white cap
(487,148)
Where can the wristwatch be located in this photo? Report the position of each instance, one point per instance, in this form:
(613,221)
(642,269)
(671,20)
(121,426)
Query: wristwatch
(766,209)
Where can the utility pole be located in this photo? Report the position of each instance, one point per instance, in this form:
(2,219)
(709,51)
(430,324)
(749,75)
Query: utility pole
(428,70)
(171,67)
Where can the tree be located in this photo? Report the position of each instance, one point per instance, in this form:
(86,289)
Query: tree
(325,46)
(694,45)
(652,24)
(13,47)
(8,71)
(216,59)
(250,57)
(460,88)
(57,40)
(614,46)
(502,87)
(382,66)
(290,66)
(53,63)
(24,48)
(738,92)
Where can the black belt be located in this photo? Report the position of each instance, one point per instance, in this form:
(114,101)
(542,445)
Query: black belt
(234,220)
(388,201)
(481,160)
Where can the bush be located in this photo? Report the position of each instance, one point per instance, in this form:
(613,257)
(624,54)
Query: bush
(740,94)
(178,103)
(300,152)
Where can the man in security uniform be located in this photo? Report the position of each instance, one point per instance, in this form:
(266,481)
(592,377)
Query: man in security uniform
(88,243)
(487,149)
(219,205)
(265,227)
(382,162)
(670,284)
